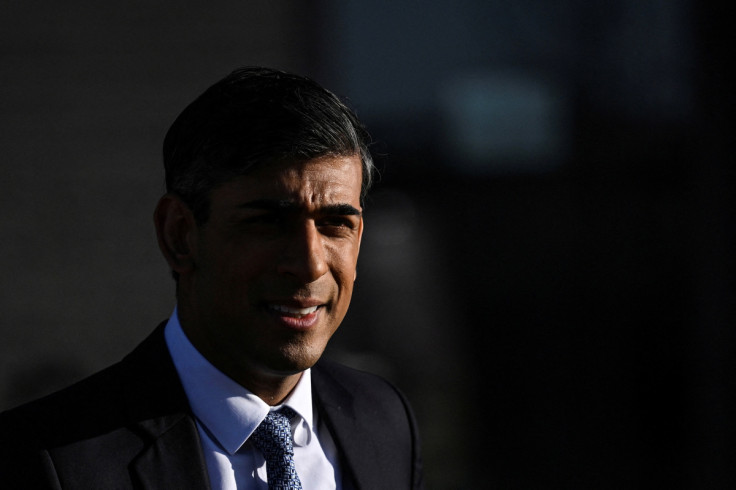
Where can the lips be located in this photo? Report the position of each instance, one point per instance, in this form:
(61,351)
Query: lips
(292,311)
(296,314)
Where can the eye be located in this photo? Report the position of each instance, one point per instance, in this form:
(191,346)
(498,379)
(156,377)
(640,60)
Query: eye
(337,226)
(336,222)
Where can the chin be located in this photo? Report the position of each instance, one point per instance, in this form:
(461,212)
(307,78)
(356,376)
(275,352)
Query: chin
(296,358)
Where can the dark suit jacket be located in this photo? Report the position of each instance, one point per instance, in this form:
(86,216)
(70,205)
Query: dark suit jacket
(130,426)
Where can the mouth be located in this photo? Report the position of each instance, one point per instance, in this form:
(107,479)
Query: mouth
(296,316)
(292,311)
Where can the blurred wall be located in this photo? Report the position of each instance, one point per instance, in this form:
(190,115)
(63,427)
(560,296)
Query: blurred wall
(563,284)
(548,262)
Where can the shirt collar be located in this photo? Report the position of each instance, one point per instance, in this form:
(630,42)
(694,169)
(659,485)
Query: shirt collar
(228,411)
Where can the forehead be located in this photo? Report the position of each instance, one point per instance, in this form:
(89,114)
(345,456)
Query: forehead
(328,179)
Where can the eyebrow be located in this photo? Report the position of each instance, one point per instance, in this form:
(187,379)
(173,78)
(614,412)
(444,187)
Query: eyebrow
(340,209)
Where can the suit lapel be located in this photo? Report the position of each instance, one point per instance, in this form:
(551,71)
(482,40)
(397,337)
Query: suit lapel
(159,412)
(174,459)
(356,446)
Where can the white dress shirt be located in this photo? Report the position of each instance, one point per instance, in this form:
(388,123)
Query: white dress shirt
(227,414)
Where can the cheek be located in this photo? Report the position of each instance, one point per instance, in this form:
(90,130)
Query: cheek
(246,260)
(230,275)
(343,265)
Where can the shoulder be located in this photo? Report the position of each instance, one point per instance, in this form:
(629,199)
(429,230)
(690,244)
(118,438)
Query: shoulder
(373,423)
(367,395)
(29,432)
(50,420)
(353,381)
(342,373)
(89,432)
(95,405)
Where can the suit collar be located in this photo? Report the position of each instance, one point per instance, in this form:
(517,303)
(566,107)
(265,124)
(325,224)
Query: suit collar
(174,459)
(159,412)
(351,435)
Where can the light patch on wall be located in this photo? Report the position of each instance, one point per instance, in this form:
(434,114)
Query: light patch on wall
(504,123)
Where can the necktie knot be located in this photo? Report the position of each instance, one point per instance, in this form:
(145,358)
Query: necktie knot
(273,439)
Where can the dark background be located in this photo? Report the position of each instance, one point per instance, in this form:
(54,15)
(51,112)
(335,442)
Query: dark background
(548,267)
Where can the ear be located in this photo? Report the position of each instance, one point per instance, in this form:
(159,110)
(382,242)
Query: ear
(175,230)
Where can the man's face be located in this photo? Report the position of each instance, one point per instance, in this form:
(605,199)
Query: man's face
(274,266)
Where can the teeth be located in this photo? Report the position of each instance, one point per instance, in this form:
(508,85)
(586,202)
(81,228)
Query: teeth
(294,311)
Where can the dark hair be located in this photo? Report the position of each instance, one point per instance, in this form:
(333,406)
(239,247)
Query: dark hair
(256,116)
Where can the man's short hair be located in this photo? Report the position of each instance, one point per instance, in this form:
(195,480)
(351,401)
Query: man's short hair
(252,117)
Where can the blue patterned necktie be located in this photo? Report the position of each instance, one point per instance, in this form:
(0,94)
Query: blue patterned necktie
(273,439)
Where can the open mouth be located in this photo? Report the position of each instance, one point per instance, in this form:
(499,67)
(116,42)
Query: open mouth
(290,311)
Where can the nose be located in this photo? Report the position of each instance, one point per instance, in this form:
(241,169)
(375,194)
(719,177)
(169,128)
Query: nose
(304,256)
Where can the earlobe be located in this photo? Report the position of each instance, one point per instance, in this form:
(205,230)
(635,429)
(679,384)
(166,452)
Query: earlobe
(175,227)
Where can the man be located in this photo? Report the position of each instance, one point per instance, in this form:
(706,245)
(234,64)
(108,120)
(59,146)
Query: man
(261,226)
